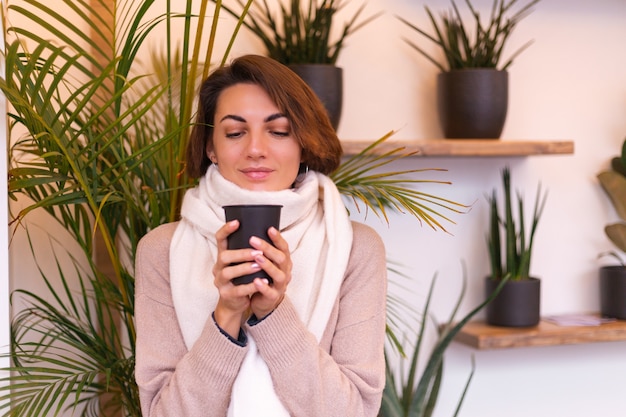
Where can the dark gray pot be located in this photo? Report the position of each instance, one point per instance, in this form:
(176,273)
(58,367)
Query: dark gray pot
(472,103)
(613,291)
(517,304)
(327,82)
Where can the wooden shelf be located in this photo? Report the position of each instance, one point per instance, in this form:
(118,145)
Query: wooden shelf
(466,147)
(483,336)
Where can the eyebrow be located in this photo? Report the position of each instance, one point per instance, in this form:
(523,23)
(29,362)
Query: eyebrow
(241,119)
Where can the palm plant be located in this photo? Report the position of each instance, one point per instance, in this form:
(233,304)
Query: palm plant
(482,50)
(517,245)
(300,33)
(97,155)
(101,153)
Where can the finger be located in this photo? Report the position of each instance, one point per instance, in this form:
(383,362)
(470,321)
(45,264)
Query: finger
(237,294)
(262,286)
(266,299)
(244,290)
(223,232)
(229,272)
(280,258)
(237,256)
(271,252)
(277,239)
(280,278)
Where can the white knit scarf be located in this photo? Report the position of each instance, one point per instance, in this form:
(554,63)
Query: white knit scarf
(317,228)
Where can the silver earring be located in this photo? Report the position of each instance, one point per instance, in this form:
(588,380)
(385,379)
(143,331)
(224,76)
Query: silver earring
(304,169)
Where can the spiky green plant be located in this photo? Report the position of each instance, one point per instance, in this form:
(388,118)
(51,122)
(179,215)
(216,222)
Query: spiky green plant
(413,394)
(102,154)
(480,47)
(302,32)
(517,244)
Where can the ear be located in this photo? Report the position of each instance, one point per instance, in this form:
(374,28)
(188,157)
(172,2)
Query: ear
(211,154)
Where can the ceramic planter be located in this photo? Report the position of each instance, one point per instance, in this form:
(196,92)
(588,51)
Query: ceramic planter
(613,291)
(517,304)
(472,103)
(327,82)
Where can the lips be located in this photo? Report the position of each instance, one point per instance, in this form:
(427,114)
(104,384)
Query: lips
(257,173)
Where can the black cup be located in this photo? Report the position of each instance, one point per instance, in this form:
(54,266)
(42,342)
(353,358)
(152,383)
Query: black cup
(254,220)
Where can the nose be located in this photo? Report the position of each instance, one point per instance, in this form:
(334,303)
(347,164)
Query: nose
(257,145)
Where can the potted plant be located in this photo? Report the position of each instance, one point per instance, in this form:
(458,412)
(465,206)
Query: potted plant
(472,87)
(510,249)
(613,277)
(300,35)
(99,153)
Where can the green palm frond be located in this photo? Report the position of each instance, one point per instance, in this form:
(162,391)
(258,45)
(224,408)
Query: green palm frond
(363,178)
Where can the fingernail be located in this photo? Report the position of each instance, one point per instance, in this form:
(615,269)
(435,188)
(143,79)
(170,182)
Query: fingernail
(255,240)
(256,253)
(254,266)
(266,281)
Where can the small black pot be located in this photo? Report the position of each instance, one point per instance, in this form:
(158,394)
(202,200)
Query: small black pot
(613,291)
(517,304)
(327,83)
(472,103)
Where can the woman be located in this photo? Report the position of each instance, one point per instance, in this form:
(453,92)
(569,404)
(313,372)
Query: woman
(311,343)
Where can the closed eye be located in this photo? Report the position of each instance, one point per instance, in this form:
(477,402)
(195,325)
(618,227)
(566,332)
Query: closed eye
(280,133)
(234,135)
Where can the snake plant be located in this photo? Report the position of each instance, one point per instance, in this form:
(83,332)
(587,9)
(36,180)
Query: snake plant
(302,31)
(518,242)
(478,47)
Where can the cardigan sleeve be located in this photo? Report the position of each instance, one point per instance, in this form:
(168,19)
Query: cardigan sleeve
(172,380)
(347,378)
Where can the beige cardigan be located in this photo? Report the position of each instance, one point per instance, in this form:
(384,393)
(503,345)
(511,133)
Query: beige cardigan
(342,376)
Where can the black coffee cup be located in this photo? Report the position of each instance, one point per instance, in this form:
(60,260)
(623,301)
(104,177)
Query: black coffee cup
(254,220)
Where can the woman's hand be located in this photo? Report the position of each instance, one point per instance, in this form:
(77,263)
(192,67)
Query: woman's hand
(276,261)
(236,301)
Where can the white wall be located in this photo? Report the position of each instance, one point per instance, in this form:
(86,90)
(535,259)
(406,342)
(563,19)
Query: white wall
(570,84)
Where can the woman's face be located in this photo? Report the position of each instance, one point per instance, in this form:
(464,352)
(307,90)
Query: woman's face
(253,145)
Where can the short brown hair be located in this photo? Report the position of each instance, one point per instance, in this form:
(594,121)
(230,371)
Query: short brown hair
(321,148)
